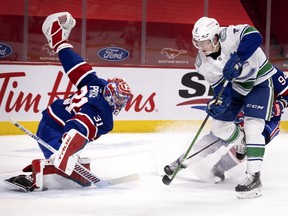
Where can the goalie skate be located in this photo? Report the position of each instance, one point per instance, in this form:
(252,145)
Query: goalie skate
(23,182)
(57,28)
(170,168)
(250,187)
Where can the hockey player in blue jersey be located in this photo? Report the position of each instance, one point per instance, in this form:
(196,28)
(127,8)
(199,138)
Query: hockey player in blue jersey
(233,53)
(69,124)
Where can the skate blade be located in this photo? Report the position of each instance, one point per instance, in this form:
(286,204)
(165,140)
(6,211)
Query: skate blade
(249,194)
(17,186)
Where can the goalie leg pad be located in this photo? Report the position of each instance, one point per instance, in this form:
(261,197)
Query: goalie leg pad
(66,157)
(40,169)
(78,178)
(50,169)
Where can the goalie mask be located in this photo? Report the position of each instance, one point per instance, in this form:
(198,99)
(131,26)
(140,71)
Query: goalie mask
(117,93)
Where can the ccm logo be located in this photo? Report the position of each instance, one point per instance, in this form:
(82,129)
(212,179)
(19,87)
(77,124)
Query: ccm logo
(253,106)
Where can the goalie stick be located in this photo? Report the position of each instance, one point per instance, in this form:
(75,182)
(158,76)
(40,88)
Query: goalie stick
(80,169)
(166,180)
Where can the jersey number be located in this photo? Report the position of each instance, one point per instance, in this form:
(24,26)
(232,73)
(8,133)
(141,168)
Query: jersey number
(282,80)
(77,100)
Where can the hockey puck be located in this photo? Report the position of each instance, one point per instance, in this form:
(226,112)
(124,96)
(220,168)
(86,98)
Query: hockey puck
(166,180)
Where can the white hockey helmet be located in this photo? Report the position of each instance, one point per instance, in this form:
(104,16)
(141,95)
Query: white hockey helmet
(205,29)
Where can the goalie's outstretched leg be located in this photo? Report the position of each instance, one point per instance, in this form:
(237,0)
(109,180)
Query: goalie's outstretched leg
(41,169)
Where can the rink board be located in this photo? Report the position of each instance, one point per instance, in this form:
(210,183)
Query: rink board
(162,98)
(129,126)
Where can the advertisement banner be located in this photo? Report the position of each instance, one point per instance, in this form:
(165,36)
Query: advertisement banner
(159,94)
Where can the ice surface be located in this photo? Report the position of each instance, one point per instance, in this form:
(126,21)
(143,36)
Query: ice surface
(118,154)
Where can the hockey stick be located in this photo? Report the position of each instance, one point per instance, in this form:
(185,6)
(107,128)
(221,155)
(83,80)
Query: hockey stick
(80,169)
(169,171)
(203,149)
(166,180)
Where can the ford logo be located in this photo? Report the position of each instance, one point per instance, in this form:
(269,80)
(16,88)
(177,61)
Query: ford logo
(113,54)
(5,50)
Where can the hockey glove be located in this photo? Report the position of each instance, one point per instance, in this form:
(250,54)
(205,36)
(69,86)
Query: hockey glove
(216,108)
(278,107)
(233,67)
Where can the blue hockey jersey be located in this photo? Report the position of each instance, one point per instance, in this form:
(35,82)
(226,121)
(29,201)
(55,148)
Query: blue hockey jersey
(86,110)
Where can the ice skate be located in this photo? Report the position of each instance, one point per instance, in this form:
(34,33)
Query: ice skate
(170,168)
(57,28)
(250,187)
(22,182)
(217,174)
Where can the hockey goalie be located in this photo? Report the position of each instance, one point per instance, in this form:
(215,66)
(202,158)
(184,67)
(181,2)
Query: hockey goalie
(67,125)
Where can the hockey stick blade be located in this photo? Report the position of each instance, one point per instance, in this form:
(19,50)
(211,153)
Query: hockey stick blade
(120,180)
(80,169)
(169,171)
(166,180)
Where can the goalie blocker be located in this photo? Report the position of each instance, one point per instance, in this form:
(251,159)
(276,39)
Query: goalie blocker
(44,173)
